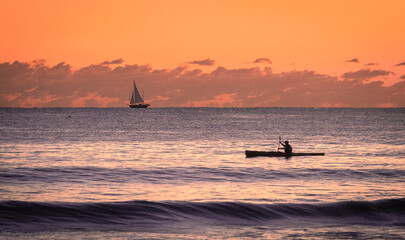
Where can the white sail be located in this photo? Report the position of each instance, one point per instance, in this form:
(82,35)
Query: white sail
(135,96)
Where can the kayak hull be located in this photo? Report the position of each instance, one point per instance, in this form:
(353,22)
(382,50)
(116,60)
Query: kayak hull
(278,154)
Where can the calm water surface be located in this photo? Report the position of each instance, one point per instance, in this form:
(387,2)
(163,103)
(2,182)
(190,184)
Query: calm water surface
(181,173)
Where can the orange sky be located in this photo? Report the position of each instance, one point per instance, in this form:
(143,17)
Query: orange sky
(317,36)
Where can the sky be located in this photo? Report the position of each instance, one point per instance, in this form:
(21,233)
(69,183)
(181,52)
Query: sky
(239,53)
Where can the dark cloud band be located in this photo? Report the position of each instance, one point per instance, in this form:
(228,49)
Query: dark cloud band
(101,85)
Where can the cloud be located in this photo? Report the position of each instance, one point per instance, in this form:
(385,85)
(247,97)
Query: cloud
(262,60)
(354,60)
(401,64)
(365,74)
(205,62)
(100,85)
(116,61)
(371,64)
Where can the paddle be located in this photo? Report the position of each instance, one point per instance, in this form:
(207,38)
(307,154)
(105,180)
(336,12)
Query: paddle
(279,141)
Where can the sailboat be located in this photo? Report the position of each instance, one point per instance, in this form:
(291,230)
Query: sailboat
(136,100)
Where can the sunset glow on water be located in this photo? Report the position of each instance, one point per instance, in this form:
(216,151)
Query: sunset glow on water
(190,164)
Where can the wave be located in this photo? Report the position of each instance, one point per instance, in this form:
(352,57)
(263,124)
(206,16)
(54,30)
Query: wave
(121,175)
(34,216)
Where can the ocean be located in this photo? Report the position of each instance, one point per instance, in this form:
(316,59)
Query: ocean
(181,173)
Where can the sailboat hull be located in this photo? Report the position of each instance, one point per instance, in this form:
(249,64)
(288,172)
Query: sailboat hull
(138,105)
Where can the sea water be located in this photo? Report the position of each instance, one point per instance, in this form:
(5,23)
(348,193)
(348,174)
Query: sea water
(181,173)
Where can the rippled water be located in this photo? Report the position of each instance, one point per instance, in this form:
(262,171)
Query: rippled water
(186,166)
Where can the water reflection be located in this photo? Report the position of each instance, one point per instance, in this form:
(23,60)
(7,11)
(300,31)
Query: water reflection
(110,172)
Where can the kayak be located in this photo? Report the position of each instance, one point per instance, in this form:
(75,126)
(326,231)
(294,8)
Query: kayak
(278,154)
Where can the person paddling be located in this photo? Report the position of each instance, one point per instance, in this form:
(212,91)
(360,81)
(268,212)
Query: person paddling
(287,147)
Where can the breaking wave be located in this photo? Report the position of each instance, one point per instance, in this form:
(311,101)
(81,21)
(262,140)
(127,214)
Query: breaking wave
(133,215)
